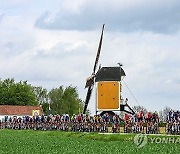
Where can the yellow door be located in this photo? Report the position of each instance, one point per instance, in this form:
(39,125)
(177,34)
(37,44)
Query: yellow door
(108,95)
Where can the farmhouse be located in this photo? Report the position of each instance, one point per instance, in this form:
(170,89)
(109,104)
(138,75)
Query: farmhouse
(19,111)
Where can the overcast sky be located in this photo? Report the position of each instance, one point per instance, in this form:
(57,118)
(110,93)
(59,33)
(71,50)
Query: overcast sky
(53,43)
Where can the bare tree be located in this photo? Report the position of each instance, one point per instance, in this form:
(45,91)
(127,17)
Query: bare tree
(164,113)
(139,108)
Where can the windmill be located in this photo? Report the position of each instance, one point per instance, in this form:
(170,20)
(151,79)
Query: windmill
(107,81)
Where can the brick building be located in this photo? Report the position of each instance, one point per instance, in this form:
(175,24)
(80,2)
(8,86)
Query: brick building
(15,110)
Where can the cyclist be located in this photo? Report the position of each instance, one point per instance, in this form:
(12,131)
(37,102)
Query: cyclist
(105,117)
(116,122)
(73,118)
(79,118)
(155,117)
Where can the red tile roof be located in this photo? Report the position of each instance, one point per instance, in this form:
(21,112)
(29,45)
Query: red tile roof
(18,110)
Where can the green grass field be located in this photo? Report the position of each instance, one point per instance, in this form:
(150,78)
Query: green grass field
(51,142)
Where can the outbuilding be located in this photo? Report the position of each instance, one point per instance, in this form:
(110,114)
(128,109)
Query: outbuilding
(19,111)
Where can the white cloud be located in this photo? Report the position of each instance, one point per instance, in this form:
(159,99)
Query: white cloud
(1,17)
(156,16)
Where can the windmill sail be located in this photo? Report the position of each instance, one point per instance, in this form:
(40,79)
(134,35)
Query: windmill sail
(98,52)
(90,80)
(88,96)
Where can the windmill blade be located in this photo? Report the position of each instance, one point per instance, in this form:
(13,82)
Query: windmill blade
(99,50)
(88,96)
(90,80)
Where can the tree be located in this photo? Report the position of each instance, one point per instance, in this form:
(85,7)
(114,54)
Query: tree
(62,100)
(42,97)
(45,107)
(65,100)
(41,94)
(20,93)
(56,100)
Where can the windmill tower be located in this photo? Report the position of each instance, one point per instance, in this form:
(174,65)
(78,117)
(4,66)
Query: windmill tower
(107,81)
(109,88)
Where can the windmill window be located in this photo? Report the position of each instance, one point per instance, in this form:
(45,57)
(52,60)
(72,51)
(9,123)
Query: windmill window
(101,84)
(101,94)
(113,98)
(114,84)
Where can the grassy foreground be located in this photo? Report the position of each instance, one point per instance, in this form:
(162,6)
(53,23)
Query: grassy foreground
(56,142)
